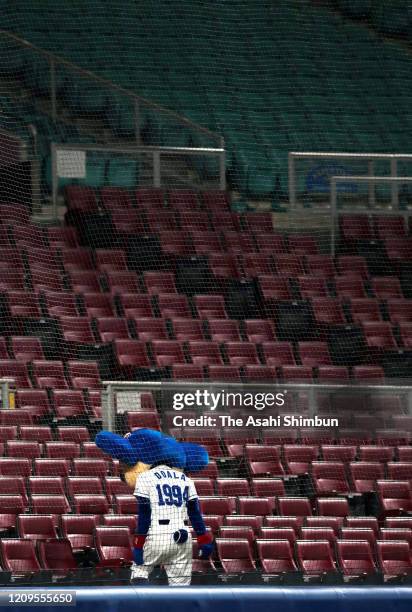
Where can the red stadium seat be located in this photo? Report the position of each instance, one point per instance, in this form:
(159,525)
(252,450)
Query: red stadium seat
(98,305)
(173,305)
(331,506)
(290,265)
(16,371)
(62,450)
(358,533)
(225,220)
(82,485)
(280,522)
(276,556)
(150,197)
(15,467)
(399,248)
(298,457)
(332,522)
(90,504)
(278,353)
(394,558)
(60,304)
(259,373)
(258,506)
(23,305)
(242,533)
(241,353)
(135,305)
(112,328)
(313,354)
(85,281)
(39,433)
(167,352)
(77,330)
(53,504)
(356,227)
(187,329)
(312,287)
(90,467)
(159,282)
(35,401)
(19,556)
(278,533)
(79,530)
(192,220)
(57,556)
(350,287)
(355,558)
(353,265)
(212,306)
(205,353)
(364,475)
(13,485)
(77,259)
(294,506)
(394,496)
(114,197)
(239,242)
(205,242)
(361,522)
(224,265)
(387,226)
(274,288)
(69,404)
(365,309)
(399,310)
(51,467)
(120,520)
(84,374)
(23,448)
(46,485)
(26,349)
(110,260)
(386,287)
(224,330)
(113,545)
(216,200)
(224,373)
(235,556)
(329,477)
(257,264)
(318,533)
(301,244)
(315,558)
(270,243)
(143,419)
(121,281)
(320,265)
(36,527)
(232,486)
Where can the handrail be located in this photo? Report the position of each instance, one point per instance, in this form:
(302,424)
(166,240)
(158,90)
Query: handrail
(88,73)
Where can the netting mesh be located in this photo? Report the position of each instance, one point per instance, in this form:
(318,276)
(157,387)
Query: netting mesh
(153,229)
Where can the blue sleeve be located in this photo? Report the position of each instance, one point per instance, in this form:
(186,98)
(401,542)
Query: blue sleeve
(195,516)
(145,515)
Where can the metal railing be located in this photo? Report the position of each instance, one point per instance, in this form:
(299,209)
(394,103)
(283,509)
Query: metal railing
(394,181)
(370,158)
(54,61)
(133,388)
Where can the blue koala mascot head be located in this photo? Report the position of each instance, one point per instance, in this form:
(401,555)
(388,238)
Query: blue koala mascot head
(145,448)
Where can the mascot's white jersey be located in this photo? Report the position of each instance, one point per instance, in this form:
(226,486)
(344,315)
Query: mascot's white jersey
(168,491)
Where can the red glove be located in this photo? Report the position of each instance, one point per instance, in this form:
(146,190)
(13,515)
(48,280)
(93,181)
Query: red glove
(138,543)
(205,544)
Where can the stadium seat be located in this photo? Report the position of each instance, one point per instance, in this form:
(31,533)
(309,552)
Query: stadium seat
(90,467)
(98,305)
(77,259)
(84,374)
(365,309)
(19,556)
(79,530)
(39,433)
(352,265)
(235,556)
(315,558)
(365,474)
(312,287)
(276,556)
(212,306)
(386,287)
(394,558)
(355,558)
(57,556)
(298,457)
(278,353)
(173,305)
(113,545)
(60,304)
(185,329)
(23,448)
(112,328)
(13,485)
(90,504)
(46,485)
(135,305)
(120,520)
(36,527)
(358,533)
(330,506)
(321,266)
(394,496)
(69,404)
(294,506)
(241,353)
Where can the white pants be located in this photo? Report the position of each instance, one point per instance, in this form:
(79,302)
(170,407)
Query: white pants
(161,549)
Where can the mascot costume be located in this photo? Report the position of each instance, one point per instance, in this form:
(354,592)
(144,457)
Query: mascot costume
(155,466)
